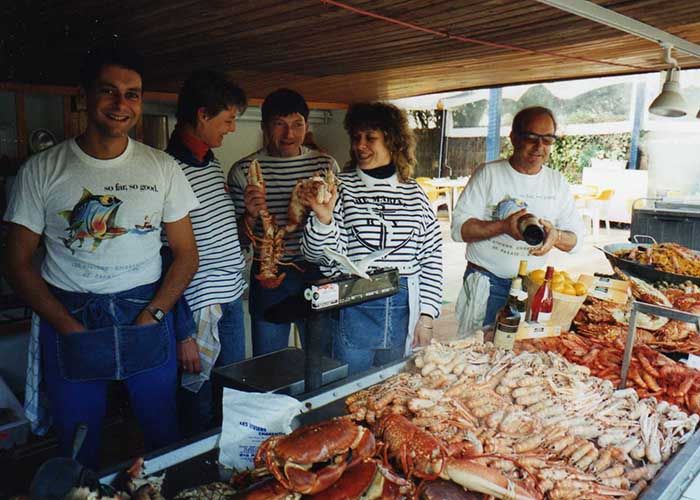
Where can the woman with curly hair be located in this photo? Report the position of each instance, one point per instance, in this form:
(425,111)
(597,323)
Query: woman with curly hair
(378,211)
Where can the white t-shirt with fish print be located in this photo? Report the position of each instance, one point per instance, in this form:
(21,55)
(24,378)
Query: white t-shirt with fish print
(101,219)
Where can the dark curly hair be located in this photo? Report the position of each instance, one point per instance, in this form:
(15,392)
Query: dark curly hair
(393,123)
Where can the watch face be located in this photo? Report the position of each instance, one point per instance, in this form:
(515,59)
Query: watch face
(158,314)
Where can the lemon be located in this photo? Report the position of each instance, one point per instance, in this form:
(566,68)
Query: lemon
(580,288)
(569,289)
(558,287)
(537,276)
(557,278)
(566,275)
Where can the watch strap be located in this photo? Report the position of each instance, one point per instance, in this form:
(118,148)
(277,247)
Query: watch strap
(157,314)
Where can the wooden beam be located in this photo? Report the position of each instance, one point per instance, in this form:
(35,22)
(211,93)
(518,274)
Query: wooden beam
(21,126)
(147,95)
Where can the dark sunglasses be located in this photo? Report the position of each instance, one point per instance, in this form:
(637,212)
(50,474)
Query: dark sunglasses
(533,138)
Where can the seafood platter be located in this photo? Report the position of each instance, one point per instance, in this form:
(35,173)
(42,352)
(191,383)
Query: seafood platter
(668,262)
(604,320)
(467,420)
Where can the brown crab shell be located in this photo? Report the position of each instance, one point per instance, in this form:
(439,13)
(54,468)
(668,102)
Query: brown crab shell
(323,441)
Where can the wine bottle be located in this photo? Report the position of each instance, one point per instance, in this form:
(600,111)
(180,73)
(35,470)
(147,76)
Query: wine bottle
(506,330)
(531,229)
(522,274)
(543,301)
(509,317)
(519,300)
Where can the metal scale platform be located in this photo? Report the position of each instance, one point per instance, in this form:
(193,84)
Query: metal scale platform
(297,371)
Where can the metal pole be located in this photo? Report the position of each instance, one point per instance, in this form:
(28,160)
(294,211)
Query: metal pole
(629,345)
(313,352)
(641,307)
(443,131)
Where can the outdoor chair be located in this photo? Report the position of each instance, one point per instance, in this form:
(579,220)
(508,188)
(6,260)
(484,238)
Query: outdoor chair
(436,196)
(602,202)
(596,209)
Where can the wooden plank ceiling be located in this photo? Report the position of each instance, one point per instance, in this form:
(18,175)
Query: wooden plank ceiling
(331,54)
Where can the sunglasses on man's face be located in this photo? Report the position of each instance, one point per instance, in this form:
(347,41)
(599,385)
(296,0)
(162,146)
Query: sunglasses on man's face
(532,138)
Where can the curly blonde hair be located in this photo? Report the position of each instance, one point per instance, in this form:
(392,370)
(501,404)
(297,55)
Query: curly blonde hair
(393,123)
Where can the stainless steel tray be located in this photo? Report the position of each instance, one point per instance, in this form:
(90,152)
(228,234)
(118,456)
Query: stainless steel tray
(669,484)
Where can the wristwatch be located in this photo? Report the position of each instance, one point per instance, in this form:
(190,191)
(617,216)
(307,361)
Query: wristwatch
(157,314)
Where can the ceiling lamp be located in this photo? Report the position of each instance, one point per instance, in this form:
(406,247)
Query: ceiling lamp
(670,102)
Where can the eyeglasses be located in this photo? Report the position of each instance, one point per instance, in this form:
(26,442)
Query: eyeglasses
(532,138)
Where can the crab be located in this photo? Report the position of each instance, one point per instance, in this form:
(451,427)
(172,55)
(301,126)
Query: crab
(313,457)
(368,479)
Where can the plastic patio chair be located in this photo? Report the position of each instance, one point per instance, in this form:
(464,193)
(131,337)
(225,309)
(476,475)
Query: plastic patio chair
(601,204)
(436,196)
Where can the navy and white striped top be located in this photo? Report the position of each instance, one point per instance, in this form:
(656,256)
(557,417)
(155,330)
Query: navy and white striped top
(280,176)
(219,279)
(375,214)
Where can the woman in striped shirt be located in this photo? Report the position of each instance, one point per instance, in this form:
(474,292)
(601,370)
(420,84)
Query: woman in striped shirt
(380,208)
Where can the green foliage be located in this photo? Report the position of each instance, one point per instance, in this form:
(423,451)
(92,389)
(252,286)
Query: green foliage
(424,118)
(572,153)
(472,114)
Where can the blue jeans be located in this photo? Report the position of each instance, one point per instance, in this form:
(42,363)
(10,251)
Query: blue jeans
(498,294)
(197,409)
(372,333)
(268,336)
(78,367)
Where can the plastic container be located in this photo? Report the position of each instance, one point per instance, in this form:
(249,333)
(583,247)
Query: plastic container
(15,432)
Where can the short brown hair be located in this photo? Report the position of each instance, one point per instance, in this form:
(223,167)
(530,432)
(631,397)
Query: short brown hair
(393,123)
(210,90)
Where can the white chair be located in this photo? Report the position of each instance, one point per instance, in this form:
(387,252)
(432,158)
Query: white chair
(601,203)
(592,215)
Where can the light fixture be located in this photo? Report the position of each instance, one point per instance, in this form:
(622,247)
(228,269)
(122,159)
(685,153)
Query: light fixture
(670,102)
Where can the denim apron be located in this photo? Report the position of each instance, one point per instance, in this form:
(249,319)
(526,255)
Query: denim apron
(78,366)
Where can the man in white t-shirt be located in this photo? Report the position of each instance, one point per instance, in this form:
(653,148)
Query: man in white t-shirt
(495,246)
(98,202)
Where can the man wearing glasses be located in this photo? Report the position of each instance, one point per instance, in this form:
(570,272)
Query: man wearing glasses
(496,246)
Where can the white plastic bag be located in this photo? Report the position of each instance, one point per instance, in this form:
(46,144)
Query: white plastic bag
(249,419)
(471,304)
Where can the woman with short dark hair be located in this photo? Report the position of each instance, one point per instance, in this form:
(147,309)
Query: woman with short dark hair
(379,209)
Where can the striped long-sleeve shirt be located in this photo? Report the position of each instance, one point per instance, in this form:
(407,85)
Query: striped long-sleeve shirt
(219,279)
(280,176)
(375,214)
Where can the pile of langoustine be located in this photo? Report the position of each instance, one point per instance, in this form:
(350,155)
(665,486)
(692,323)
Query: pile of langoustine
(651,374)
(527,425)
(608,321)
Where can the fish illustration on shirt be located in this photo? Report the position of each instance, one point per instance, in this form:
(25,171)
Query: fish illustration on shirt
(92,217)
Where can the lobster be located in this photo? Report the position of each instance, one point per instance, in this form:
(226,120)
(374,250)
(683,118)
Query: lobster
(270,245)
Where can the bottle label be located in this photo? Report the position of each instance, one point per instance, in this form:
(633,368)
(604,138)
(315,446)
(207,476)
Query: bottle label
(503,339)
(544,317)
